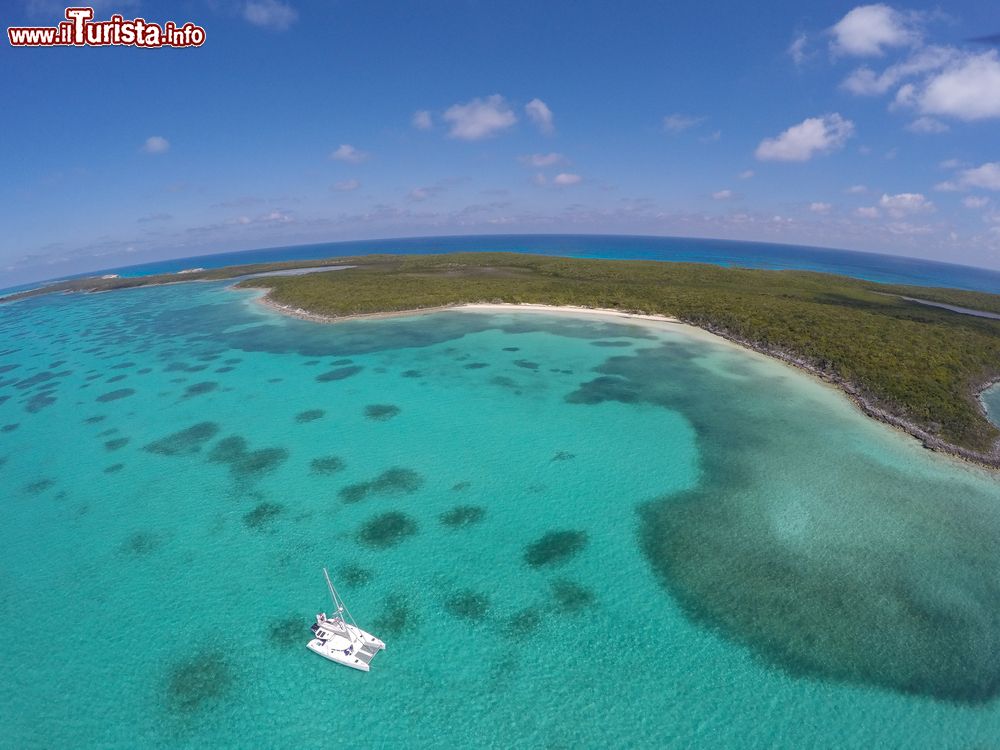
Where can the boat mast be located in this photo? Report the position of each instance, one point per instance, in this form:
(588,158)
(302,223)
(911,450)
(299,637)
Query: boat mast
(338,603)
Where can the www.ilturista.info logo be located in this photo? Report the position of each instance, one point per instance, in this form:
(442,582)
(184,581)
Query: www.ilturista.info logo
(80,30)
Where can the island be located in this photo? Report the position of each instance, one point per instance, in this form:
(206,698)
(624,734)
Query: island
(916,366)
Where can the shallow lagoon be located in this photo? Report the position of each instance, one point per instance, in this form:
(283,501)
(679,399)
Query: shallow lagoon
(570,531)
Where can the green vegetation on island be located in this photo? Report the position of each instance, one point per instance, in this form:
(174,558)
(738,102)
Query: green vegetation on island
(909,364)
(914,366)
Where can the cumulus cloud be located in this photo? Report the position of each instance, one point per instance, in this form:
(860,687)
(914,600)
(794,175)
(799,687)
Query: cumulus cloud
(422,120)
(818,207)
(856,189)
(156,144)
(985,176)
(542,160)
(746,174)
(346,152)
(270,14)
(812,136)
(968,89)
(722,195)
(479,118)
(676,122)
(905,204)
(540,114)
(565,178)
(868,30)
(975,201)
(346,186)
(867,212)
(866,82)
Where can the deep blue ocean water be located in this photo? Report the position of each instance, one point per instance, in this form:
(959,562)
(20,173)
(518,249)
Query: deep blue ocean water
(870,266)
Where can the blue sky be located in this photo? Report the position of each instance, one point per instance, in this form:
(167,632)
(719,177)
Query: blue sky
(870,127)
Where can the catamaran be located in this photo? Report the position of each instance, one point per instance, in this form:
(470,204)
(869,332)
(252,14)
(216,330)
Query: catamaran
(341,640)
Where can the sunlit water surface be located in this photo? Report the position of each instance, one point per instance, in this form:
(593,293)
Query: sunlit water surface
(570,531)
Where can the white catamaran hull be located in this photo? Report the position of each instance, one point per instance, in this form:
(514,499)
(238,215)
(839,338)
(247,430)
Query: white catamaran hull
(354,649)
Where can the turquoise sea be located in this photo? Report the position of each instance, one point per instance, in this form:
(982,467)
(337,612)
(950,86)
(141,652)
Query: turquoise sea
(571,532)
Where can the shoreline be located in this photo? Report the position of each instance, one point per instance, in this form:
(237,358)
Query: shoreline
(855,395)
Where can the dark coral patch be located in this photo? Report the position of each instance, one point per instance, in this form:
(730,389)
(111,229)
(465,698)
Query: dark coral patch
(286,632)
(261,517)
(38,402)
(460,486)
(198,389)
(476,365)
(340,373)
(141,543)
(570,597)
(397,618)
(309,415)
(381,412)
(38,486)
(394,481)
(526,364)
(354,576)
(115,395)
(123,366)
(604,388)
(258,462)
(114,468)
(512,348)
(563,456)
(468,605)
(522,623)
(387,530)
(341,362)
(8,368)
(412,374)
(115,378)
(611,344)
(327,465)
(224,370)
(228,450)
(116,444)
(462,516)
(198,682)
(555,548)
(95,419)
(185,442)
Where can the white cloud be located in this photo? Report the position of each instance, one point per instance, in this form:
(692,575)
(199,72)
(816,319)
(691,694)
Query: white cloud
(967,90)
(868,29)
(797,49)
(722,195)
(675,123)
(947,187)
(270,14)
(975,201)
(867,212)
(746,174)
(156,144)
(814,135)
(927,125)
(422,120)
(479,118)
(985,176)
(864,81)
(540,114)
(565,178)
(347,152)
(817,207)
(905,204)
(950,164)
(541,160)
(711,137)
(346,186)
(856,189)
